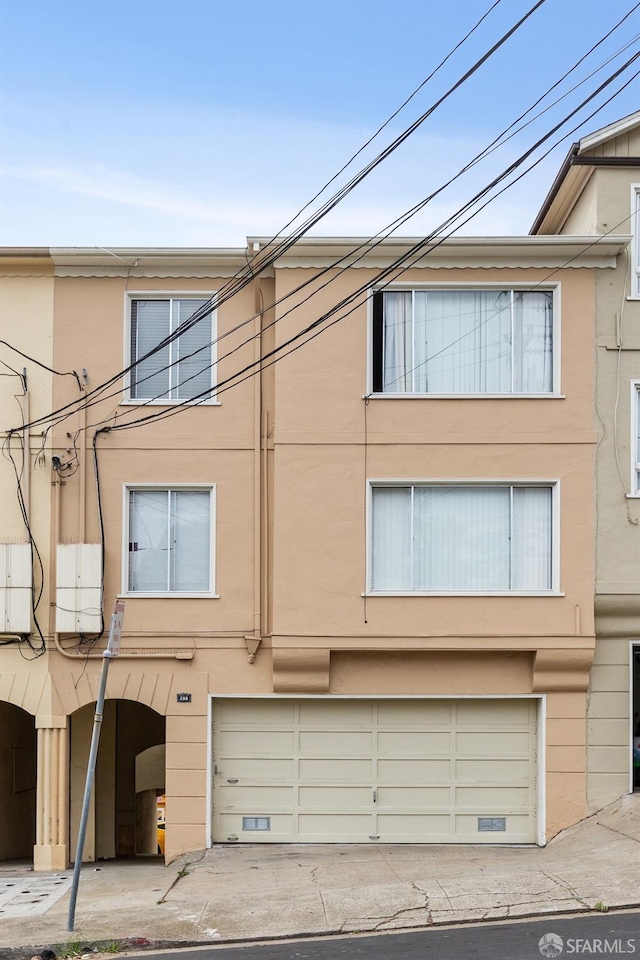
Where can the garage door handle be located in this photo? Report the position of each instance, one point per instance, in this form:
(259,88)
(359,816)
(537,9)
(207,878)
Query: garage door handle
(375,796)
(232,781)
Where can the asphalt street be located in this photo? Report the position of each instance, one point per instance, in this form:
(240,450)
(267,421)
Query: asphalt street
(610,934)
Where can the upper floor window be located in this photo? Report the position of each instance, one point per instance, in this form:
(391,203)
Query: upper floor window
(463,342)
(461,538)
(635,437)
(635,232)
(169,540)
(182,368)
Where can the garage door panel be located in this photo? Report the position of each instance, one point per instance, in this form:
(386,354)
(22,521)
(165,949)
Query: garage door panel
(262,798)
(341,825)
(493,744)
(257,768)
(401,827)
(493,712)
(344,712)
(414,798)
(393,771)
(335,798)
(333,743)
(496,771)
(488,798)
(518,828)
(411,712)
(281,827)
(414,771)
(412,743)
(251,712)
(255,743)
(335,770)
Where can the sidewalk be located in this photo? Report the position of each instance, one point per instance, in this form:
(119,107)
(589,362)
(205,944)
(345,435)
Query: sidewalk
(257,892)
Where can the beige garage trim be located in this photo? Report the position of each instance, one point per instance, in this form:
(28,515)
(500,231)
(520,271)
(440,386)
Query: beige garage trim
(390,771)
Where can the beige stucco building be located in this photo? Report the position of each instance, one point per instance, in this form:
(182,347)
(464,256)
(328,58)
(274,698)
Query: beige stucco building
(351,511)
(597,192)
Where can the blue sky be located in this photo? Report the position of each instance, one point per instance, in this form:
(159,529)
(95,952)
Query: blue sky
(197,122)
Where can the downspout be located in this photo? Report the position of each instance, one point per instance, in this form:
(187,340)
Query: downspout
(253,640)
(53,561)
(26,449)
(82,508)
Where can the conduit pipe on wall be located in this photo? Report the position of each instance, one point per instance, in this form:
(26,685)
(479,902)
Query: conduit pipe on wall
(82,508)
(253,641)
(26,451)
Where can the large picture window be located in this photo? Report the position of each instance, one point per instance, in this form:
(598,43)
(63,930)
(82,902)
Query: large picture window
(169,541)
(181,369)
(462,538)
(463,342)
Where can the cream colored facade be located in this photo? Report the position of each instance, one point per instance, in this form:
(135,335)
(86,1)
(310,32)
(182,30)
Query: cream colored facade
(597,193)
(296,697)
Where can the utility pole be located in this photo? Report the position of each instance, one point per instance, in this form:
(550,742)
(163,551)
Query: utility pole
(113,649)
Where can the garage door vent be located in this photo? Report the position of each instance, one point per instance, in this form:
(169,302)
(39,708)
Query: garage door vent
(492,824)
(256,823)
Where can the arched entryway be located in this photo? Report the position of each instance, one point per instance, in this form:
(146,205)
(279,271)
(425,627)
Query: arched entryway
(18,767)
(119,821)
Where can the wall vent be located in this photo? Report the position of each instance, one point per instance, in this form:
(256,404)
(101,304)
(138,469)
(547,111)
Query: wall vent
(256,823)
(492,824)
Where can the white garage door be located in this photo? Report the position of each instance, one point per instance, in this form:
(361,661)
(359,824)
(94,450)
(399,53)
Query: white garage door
(389,771)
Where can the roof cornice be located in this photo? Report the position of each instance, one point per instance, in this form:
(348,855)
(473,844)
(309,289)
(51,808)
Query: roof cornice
(527,251)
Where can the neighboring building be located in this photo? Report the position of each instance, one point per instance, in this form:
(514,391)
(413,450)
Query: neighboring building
(359,584)
(597,192)
(26,321)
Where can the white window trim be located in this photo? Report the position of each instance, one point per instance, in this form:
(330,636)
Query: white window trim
(554,483)
(634,230)
(168,594)
(397,286)
(635,426)
(131,295)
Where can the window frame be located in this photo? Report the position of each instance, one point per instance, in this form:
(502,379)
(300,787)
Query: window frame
(127,489)
(634,224)
(467,286)
(635,430)
(553,483)
(130,296)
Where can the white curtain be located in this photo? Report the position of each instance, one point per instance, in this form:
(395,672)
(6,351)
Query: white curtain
(468,342)
(462,341)
(169,541)
(192,374)
(391,536)
(150,323)
(148,541)
(531,539)
(533,333)
(464,538)
(461,538)
(190,541)
(397,333)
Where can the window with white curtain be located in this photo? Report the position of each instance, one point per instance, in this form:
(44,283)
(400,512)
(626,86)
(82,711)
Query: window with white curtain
(180,366)
(463,342)
(635,232)
(461,538)
(169,540)
(635,437)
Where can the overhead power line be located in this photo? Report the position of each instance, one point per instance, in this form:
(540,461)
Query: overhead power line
(409,259)
(367,246)
(260,263)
